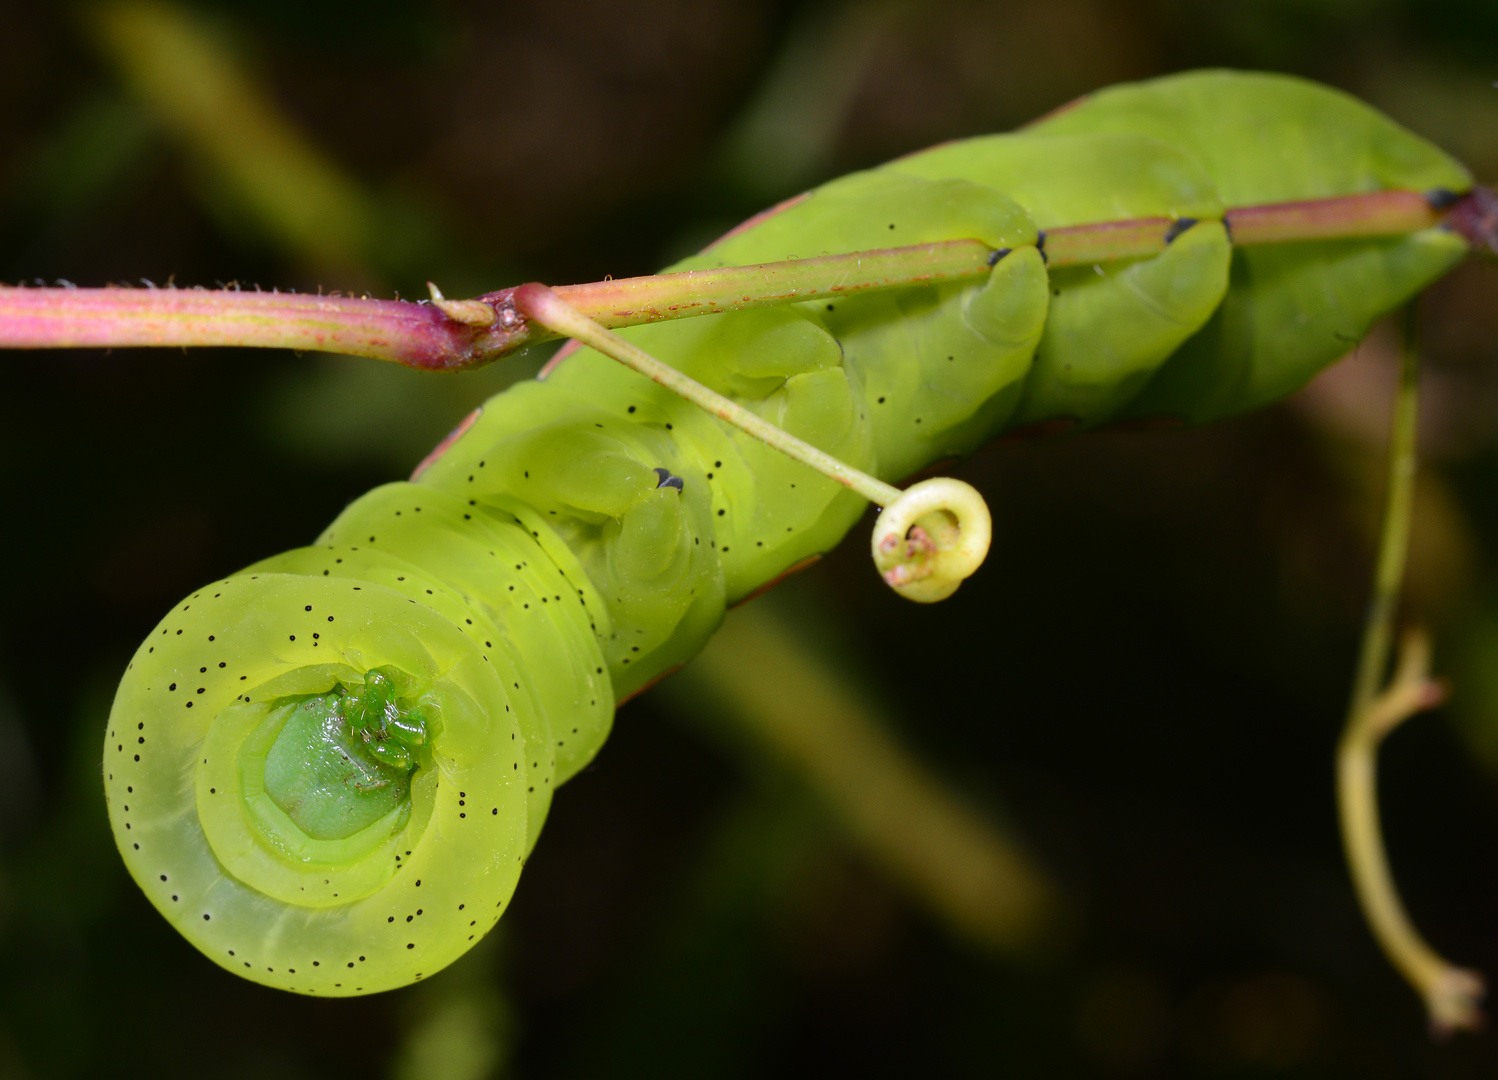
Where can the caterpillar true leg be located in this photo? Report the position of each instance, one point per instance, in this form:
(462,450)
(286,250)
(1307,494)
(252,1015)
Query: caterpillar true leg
(930,538)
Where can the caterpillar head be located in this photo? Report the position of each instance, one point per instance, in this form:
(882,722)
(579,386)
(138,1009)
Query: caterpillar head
(320,782)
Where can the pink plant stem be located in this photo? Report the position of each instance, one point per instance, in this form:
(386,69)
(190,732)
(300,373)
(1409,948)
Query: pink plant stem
(413,334)
(423,336)
(472,333)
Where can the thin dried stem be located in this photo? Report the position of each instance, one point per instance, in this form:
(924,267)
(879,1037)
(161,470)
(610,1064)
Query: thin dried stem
(1451,994)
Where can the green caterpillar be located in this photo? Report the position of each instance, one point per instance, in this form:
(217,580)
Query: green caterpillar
(327,770)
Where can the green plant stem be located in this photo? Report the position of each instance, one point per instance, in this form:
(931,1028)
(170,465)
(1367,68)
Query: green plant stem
(1394,536)
(630,301)
(546,307)
(1450,993)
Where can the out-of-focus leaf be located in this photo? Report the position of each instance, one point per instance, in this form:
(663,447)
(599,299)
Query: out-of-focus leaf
(703,992)
(784,699)
(340,409)
(100,143)
(460,1026)
(786,137)
(193,83)
(269,183)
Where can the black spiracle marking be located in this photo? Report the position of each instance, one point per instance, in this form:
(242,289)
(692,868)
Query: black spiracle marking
(1177,227)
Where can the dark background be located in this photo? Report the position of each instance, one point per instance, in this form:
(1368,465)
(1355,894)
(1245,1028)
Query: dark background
(1142,688)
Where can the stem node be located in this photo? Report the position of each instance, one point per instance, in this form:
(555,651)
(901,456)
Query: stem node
(468,312)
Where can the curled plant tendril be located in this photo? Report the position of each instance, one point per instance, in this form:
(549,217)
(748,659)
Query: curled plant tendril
(1452,995)
(931,538)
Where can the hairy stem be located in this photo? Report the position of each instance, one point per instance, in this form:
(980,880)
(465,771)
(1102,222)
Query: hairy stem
(455,335)
(1450,993)
(451,335)
(416,335)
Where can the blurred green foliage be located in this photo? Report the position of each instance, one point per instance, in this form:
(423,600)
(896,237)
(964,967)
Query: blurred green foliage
(1144,685)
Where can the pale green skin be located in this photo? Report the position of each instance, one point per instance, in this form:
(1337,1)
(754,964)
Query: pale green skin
(536,572)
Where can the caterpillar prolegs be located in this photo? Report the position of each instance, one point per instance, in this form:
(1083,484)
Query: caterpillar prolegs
(327,769)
